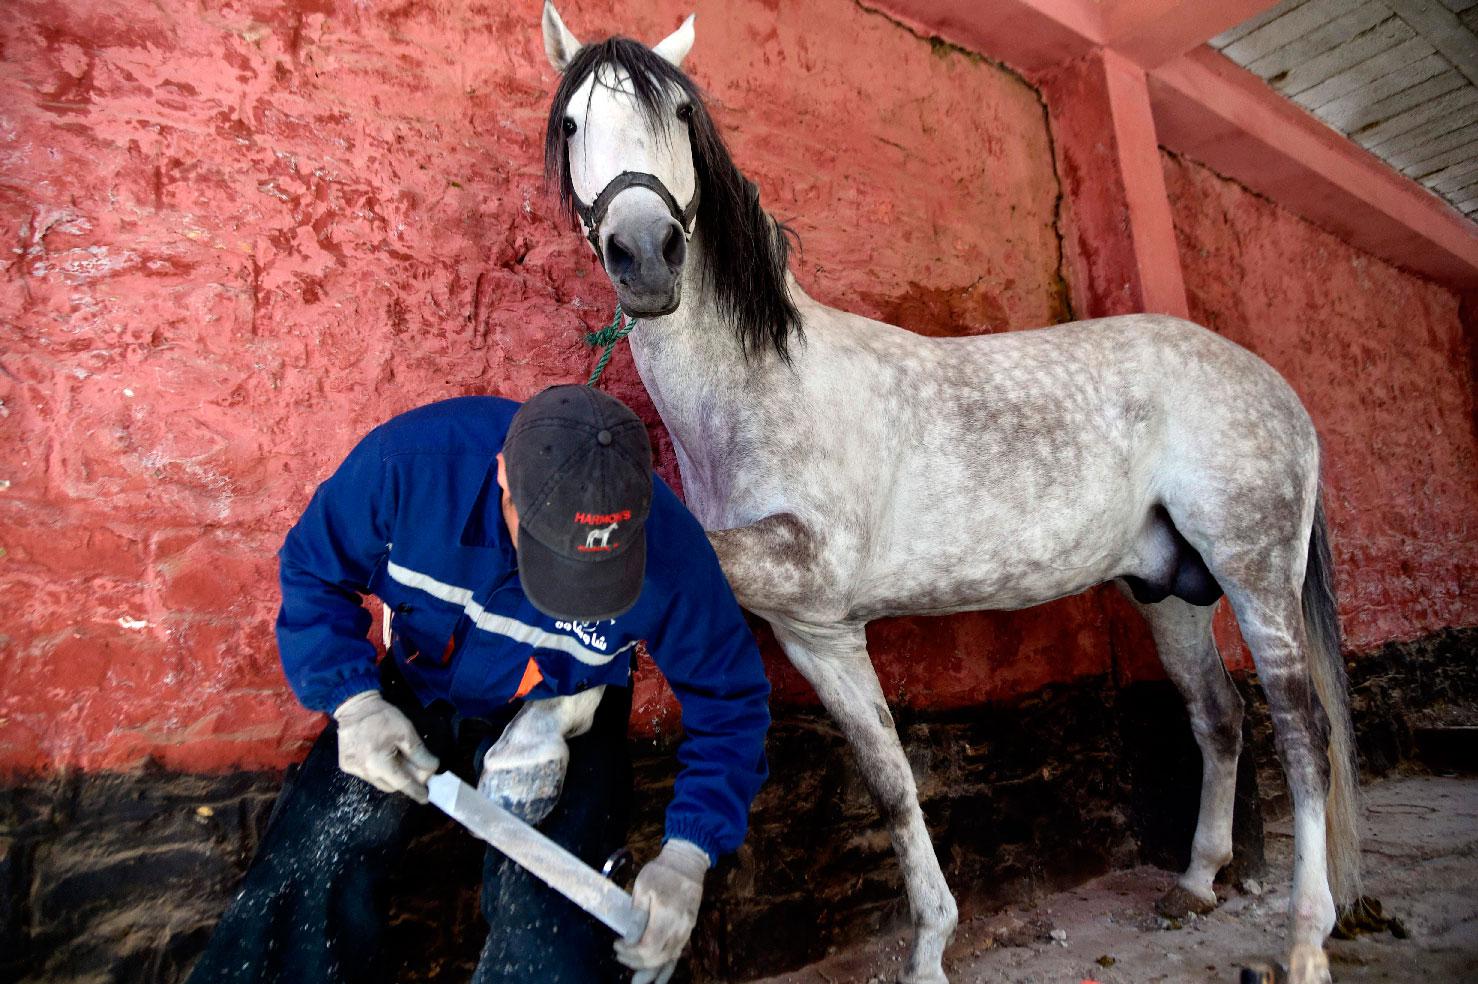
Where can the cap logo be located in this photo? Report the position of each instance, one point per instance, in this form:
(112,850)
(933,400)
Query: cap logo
(601,519)
(599,539)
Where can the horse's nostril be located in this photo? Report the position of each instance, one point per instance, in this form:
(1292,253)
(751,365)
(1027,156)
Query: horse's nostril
(619,259)
(675,249)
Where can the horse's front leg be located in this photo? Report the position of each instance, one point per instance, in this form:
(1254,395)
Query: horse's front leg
(780,569)
(834,659)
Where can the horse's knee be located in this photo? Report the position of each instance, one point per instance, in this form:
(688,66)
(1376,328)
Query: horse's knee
(1217,723)
(892,789)
(942,914)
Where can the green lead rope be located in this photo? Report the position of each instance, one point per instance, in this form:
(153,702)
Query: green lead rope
(608,336)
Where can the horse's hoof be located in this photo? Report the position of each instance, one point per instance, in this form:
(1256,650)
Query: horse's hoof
(935,976)
(525,783)
(1180,902)
(1307,964)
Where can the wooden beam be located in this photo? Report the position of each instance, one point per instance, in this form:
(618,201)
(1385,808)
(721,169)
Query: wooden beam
(1324,49)
(1441,27)
(1118,236)
(1151,226)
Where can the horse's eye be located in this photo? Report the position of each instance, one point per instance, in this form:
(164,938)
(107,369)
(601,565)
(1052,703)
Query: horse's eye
(685,112)
(569,127)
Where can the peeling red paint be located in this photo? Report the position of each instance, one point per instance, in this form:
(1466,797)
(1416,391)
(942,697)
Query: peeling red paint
(241,234)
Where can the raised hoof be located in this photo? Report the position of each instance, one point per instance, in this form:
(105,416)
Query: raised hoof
(1307,964)
(1180,902)
(527,787)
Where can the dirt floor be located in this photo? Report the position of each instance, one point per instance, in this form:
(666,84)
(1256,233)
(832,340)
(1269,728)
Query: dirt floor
(1421,861)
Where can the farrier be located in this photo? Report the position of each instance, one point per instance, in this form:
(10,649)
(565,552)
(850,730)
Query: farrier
(523,554)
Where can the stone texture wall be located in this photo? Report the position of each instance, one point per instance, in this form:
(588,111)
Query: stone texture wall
(244,232)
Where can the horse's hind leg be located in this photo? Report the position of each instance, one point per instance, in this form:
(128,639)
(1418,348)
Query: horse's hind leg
(1187,648)
(1272,625)
(834,659)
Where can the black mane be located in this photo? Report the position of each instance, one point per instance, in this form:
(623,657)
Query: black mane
(745,250)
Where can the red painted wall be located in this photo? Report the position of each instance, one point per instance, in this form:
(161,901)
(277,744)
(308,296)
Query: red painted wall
(1380,358)
(242,233)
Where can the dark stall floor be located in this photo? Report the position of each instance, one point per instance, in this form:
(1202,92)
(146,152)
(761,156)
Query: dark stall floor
(1421,861)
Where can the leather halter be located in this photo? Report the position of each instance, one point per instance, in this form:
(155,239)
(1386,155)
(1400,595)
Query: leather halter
(595,213)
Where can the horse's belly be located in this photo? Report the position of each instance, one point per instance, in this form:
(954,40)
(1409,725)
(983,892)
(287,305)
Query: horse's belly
(985,595)
(1001,575)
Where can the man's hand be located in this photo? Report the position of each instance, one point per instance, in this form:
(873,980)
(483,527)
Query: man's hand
(670,888)
(378,744)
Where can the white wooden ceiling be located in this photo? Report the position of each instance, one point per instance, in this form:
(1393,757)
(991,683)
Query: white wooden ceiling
(1399,77)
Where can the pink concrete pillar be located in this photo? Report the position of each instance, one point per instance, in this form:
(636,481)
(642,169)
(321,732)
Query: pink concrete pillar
(1118,238)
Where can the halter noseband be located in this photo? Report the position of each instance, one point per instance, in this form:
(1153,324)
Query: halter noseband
(595,213)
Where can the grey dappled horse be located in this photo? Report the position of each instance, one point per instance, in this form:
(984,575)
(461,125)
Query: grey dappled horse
(848,470)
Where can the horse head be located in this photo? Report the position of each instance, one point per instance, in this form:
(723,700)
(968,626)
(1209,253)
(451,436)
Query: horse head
(640,165)
(623,122)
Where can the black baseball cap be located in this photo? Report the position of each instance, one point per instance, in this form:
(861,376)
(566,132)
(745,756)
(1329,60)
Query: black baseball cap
(579,469)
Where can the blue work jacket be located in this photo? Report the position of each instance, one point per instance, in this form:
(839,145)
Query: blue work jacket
(413,517)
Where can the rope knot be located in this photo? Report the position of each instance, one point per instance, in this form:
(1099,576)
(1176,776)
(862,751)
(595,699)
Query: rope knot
(608,336)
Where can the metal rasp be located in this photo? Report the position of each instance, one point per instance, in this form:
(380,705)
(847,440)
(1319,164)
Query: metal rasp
(546,860)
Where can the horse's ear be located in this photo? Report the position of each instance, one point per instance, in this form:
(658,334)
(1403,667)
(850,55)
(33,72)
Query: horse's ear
(675,46)
(559,44)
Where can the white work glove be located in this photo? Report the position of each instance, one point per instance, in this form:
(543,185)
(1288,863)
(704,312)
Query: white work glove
(670,888)
(379,744)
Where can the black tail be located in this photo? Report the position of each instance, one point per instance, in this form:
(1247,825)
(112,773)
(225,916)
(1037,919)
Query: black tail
(1327,667)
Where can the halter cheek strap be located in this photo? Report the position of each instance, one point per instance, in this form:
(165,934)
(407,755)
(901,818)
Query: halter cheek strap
(595,213)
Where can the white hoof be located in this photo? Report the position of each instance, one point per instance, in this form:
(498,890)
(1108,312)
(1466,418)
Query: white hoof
(525,779)
(926,962)
(1307,964)
(931,976)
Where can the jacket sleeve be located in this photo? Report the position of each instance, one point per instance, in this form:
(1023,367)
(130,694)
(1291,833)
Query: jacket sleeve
(705,650)
(325,565)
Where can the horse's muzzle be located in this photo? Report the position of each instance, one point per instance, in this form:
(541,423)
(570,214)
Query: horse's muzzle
(645,264)
(639,305)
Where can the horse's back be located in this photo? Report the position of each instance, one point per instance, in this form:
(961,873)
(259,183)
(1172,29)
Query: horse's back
(1042,454)
(1131,385)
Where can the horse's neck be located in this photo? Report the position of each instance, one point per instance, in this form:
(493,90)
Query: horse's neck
(694,368)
